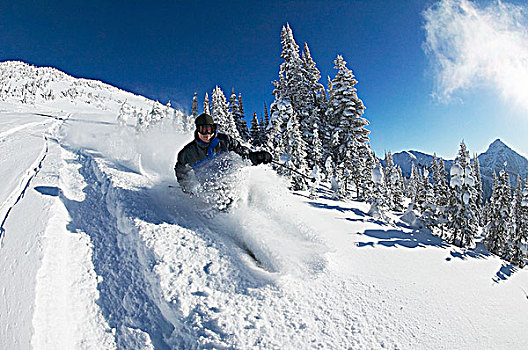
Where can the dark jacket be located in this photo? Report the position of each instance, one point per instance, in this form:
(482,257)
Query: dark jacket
(196,151)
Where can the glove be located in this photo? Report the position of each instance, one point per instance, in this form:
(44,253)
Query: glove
(260,157)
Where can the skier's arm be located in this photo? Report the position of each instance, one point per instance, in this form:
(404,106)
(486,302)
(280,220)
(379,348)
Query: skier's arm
(235,146)
(256,157)
(183,174)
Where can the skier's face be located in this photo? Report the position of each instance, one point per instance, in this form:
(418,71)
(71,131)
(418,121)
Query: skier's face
(206,133)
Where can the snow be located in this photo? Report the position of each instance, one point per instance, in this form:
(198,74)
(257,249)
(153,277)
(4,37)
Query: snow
(97,251)
(377,175)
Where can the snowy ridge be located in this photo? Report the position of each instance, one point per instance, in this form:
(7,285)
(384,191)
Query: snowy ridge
(21,83)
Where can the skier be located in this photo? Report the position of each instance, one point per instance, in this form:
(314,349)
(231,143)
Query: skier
(206,144)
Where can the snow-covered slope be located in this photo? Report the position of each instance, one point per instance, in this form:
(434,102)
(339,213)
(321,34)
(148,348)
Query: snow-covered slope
(23,84)
(97,251)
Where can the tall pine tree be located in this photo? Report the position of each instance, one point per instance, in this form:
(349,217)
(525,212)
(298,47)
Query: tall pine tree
(255,131)
(194,107)
(221,114)
(236,109)
(463,219)
(498,217)
(518,228)
(351,150)
(206,108)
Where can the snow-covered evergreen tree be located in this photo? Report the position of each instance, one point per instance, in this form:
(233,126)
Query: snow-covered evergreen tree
(378,200)
(518,236)
(422,190)
(523,219)
(221,114)
(274,139)
(289,104)
(317,147)
(125,112)
(143,121)
(206,108)
(255,131)
(236,109)
(427,207)
(393,183)
(462,211)
(413,182)
(263,129)
(478,187)
(266,123)
(344,113)
(314,101)
(295,151)
(194,107)
(441,196)
(292,83)
(498,228)
(157,113)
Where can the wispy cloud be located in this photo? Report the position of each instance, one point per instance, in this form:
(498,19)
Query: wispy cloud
(472,45)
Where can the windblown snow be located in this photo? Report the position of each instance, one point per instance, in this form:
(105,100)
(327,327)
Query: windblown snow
(101,250)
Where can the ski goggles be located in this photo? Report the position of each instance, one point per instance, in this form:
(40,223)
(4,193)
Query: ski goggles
(206,129)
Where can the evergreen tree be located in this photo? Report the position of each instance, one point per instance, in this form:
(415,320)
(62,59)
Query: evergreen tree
(291,81)
(441,195)
(274,139)
(317,146)
(498,227)
(523,219)
(516,254)
(194,107)
(344,112)
(463,219)
(295,149)
(221,114)
(428,206)
(378,200)
(241,107)
(156,114)
(124,113)
(255,131)
(262,131)
(266,118)
(421,190)
(238,115)
(313,101)
(478,187)
(412,184)
(393,181)
(206,108)
(143,121)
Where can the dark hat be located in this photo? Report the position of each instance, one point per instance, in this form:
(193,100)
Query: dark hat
(204,119)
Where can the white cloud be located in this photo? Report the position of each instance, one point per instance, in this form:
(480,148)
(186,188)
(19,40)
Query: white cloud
(478,45)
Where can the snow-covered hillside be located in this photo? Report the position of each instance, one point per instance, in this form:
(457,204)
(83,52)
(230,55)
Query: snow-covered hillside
(98,252)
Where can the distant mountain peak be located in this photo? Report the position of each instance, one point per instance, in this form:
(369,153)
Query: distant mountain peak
(497,144)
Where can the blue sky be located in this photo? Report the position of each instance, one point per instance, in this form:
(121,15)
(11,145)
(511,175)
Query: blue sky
(428,80)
